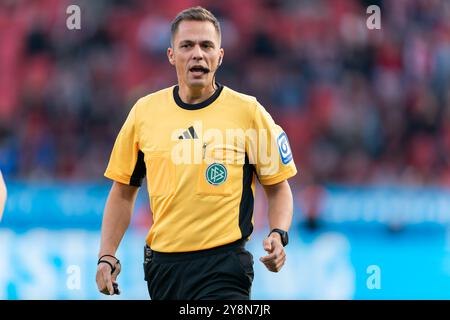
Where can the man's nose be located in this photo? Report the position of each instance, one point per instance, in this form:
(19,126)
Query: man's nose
(197,53)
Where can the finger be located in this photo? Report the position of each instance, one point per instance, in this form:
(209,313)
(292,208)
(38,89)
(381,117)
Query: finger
(268,258)
(271,268)
(278,252)
(105,291)
(108,282)
(116,272)
(275,260)
(281,258)
(101,286)
(274,268)
(267,245)
(276,265)
(280,263)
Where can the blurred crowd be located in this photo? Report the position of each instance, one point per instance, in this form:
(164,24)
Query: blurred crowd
(360,106)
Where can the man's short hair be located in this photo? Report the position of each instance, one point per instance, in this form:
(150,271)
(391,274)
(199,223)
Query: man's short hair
(194,14)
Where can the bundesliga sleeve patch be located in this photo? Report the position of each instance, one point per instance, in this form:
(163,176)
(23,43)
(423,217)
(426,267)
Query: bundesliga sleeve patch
(284,148)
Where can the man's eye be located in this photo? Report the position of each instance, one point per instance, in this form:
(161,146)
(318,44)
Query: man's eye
(185,45)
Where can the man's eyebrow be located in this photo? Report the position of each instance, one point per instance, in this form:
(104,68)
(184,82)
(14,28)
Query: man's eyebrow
(208,42)
(186,41)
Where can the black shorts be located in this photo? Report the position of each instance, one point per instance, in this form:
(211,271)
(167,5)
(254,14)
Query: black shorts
(221,273)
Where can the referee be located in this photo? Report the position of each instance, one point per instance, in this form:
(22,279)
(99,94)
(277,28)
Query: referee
(201,184)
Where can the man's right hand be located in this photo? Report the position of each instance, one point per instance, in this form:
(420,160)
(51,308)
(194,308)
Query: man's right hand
(104,278)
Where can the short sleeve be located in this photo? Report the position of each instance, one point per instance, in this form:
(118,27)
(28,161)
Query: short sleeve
(126,164)
(269,150)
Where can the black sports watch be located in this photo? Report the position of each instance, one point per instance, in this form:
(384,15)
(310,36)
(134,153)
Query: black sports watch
(283,234)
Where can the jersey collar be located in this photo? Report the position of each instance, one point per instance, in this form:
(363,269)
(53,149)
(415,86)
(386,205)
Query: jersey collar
(199,105)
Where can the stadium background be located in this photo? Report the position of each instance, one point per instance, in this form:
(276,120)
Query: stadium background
(367,113)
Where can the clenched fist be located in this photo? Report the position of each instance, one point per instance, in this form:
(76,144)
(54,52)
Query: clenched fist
(276,257)
(107,271)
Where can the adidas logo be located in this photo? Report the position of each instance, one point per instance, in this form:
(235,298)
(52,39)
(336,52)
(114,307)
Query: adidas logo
(189,134)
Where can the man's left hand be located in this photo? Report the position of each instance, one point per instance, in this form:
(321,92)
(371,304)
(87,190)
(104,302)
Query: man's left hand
(276,257)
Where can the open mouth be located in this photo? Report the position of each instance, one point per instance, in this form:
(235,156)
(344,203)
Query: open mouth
(199,70)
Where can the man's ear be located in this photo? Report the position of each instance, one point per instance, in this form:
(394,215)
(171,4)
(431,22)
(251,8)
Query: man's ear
(170,56)
(222,52)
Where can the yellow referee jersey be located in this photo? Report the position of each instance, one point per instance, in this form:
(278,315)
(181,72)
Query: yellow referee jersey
(200,161)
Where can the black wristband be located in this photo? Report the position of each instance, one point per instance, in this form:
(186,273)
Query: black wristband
(113,268)
(283,235)
(108,255)
(109,263)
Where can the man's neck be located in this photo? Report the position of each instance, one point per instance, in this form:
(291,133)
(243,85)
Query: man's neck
(194,95)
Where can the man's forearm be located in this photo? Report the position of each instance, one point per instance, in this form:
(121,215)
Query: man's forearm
(116,217)
(280,204)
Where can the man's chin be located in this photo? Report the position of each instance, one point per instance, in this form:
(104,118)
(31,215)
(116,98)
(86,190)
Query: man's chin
(198,83)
